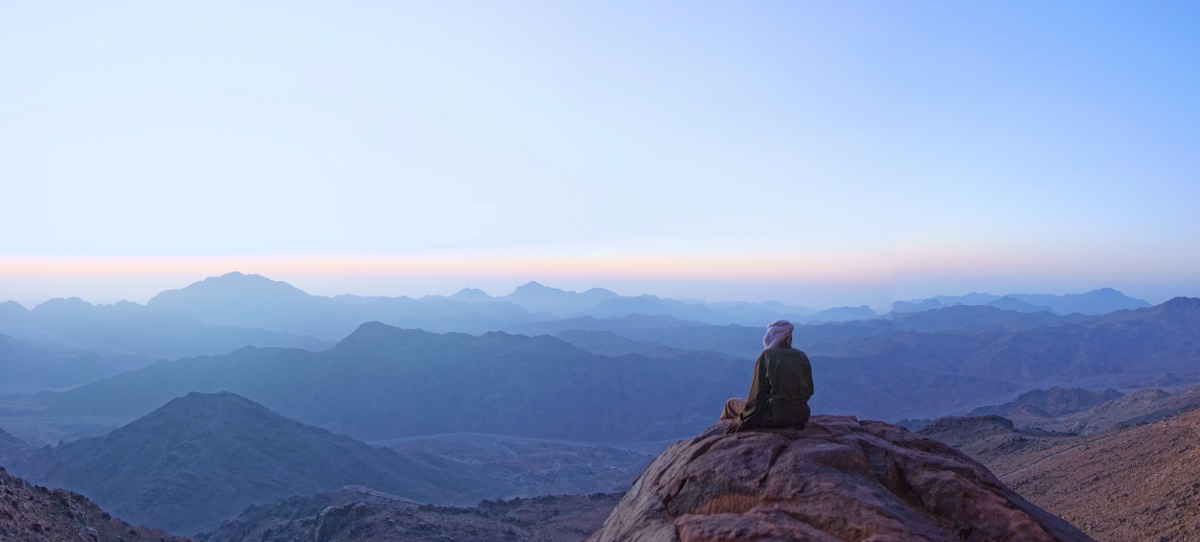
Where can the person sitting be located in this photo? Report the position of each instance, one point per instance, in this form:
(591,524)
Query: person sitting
(781,387)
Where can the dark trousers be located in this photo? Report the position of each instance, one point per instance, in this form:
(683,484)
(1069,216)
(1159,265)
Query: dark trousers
(792,417)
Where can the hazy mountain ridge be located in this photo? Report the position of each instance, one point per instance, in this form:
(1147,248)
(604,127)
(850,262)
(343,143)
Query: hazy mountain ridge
(539,298)
(256,301)
(1126,349)
(129,328)
(27,367)
(219,314)
(607,343)
(371,383)
(836,339)
(1093,303)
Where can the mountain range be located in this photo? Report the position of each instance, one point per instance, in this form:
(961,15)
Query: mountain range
(128,328)
(258,302)
(1095,302)
(383,382)
(221,314)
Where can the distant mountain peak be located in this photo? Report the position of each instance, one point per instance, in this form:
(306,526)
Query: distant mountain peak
(235,298)
(370,334)
(196,406)
(537,297)
(241,279)
(60,303)
(535,285)
(237,277)
(471,295)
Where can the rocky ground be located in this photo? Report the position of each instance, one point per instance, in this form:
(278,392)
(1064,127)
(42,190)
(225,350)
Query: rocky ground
(837,479)
(35,514)
(993,441)
(1135,484)
(357,513)
(1138,484)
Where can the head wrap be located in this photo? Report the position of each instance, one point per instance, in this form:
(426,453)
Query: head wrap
(778,332)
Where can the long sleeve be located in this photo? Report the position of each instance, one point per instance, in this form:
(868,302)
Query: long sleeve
(760,391)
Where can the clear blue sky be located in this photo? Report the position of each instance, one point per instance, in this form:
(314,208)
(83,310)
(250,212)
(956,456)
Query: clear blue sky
(881,150)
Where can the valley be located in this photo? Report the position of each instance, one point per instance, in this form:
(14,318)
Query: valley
(371,515)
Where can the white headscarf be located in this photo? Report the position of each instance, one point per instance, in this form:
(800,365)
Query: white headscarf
(778,332)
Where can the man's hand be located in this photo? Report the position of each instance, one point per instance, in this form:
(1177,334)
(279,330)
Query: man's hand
(733,428)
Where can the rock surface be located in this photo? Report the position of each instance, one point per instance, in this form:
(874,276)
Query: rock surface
(838,479)
(36,514)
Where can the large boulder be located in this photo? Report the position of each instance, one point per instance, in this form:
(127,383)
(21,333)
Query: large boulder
(838,479)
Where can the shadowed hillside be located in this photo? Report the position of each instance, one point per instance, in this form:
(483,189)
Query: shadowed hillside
(205,457)
(31,513)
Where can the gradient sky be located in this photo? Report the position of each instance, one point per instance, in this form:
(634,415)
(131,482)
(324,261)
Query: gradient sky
(824,153)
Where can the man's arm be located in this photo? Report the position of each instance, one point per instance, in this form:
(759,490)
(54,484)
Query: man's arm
(760,390)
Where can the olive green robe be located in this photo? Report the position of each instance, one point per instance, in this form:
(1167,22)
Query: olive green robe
(780,391)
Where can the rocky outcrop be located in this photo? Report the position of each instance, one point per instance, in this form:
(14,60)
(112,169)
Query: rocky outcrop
(32,513)
(838,479)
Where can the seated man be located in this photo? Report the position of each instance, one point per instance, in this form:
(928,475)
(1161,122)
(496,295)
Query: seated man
(781,387)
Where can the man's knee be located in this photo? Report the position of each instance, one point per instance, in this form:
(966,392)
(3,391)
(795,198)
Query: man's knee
(733,408)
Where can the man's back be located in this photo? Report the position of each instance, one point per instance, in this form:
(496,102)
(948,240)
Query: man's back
(780,391)
(789,373)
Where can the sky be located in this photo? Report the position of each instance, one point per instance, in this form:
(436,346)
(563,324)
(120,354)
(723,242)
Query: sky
(819,153)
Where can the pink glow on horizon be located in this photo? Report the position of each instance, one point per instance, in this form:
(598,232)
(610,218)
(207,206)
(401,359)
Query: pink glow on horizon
(736,267)
(843,268)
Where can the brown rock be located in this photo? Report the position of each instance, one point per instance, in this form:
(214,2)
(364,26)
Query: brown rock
(838,479)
